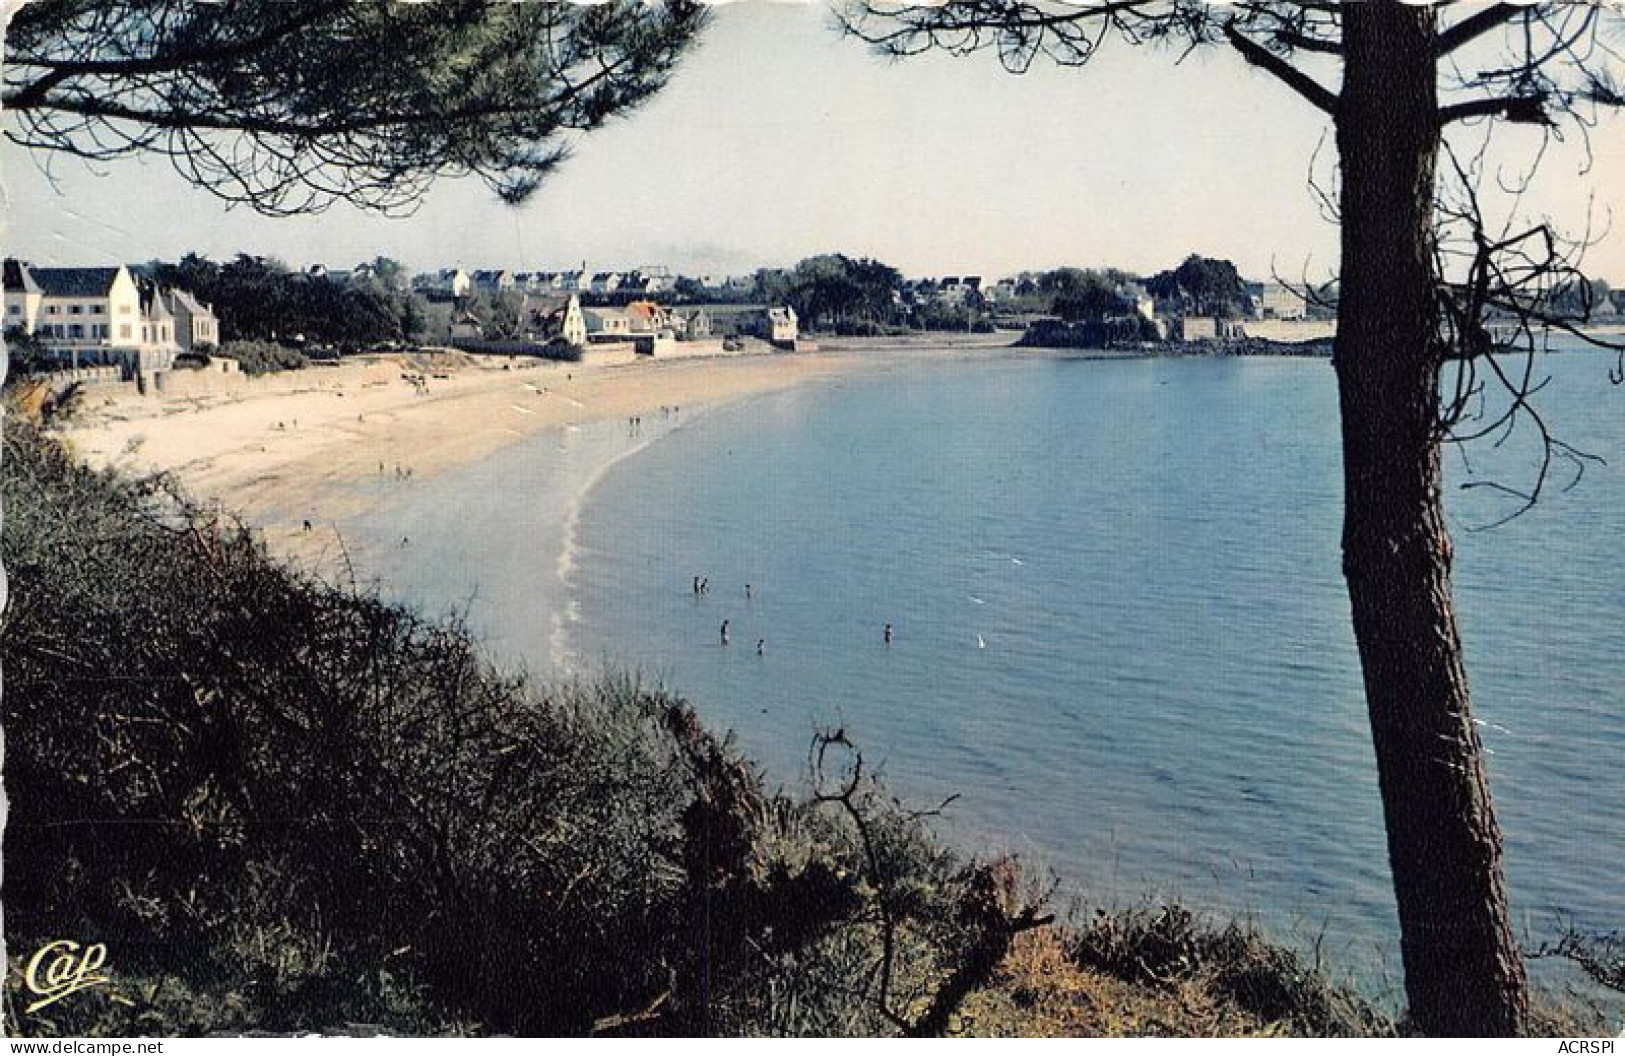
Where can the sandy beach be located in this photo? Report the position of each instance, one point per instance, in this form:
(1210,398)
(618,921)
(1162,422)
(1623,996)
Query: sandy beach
(318,444)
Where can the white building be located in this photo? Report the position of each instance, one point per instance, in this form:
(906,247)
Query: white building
(558,317)
(94,315)
(607,324)
(782,325)
(1276,300)
(447,282)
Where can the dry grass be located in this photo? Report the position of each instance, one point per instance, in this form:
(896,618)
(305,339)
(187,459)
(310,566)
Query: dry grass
(1042,992)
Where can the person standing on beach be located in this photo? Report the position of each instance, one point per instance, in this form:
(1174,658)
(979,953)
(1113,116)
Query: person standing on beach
(888,634)
(761,646)
(748,594)
(724,632)
(696,586)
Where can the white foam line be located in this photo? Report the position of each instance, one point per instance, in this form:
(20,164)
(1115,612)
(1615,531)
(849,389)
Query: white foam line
(521,410)
(567,549)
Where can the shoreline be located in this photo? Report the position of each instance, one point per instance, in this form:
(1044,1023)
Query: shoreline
(332,445)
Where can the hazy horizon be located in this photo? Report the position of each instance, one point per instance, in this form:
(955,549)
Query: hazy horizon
(777,139)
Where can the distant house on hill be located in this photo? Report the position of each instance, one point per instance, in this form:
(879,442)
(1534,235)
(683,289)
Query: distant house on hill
(605,282)
(649,280)
(1002,291)
(446,284)
(492,282)
(538,282)
(956,290)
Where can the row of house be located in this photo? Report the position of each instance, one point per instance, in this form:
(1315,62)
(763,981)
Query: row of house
(107,316)
(548,317)
(455,283)
(778,325)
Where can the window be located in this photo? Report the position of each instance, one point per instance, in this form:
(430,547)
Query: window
(51,309)
(124,331)
(14,309)
(97,309)
(76,331)
(76,309)
(124,309)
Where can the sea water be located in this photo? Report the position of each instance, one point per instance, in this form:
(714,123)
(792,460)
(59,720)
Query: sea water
(1120,631)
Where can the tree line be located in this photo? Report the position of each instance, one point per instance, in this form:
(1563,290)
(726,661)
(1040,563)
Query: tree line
(262,299)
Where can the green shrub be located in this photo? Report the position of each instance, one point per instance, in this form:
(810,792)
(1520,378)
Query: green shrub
(263,357)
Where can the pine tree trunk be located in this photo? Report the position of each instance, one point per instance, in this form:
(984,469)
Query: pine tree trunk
(1463,972)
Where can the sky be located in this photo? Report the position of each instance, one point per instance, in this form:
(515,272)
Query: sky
(778,139)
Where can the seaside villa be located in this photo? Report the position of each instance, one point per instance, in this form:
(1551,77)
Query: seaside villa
(105,316)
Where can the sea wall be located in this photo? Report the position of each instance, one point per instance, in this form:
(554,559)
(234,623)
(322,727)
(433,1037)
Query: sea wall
(1290,331)
(612,354)
(221,375)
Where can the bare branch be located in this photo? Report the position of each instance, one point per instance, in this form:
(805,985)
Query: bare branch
(264,104)
(1319,96)
(1476,25)
(1519,110)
